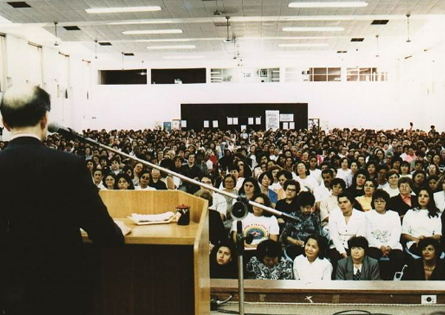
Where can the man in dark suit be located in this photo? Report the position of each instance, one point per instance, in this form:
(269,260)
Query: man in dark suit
(46,196)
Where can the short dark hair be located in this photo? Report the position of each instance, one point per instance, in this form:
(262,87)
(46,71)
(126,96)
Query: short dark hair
(347,195)
(292,182)
(423,243)
(327,171)
(358,241)
(380,193)
(25,110)
(286,174)
(405,180)
(269,248)
(266,203)
(338,181)
(229,176)
(322,244)
(306,198)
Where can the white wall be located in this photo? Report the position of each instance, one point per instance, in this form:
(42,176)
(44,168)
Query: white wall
(341,104)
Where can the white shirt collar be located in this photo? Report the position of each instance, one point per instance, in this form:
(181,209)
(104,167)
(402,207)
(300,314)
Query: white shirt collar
(21,135)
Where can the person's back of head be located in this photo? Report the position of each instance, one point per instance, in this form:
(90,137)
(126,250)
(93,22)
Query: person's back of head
(24,106)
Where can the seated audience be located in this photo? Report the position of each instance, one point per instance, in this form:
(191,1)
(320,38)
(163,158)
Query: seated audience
(313,265)
(420,222)
(223,262)
(429,266)
(269,263)
(258,223)
(404,200)
(365,199)
(358,266)
(296,232)
(123,182)
(383,231)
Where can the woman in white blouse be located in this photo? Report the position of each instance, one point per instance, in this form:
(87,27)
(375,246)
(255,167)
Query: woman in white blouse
(383,230)
(312,265)
(343,225)
(420,222)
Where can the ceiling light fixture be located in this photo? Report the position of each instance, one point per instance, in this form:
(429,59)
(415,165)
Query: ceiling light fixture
(141,22)
(183,57)
(303,45)
(123,9)
(347,4)
(314,29)
(377,38)
(152,32)
(171,47)
(164,40)
(95,48)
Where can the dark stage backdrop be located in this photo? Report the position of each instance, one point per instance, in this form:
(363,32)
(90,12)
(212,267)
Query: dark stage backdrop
(195,114)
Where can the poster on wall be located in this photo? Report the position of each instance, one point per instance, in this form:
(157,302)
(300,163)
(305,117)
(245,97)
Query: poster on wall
(176,124)
(291,125)
(229,121)
(206,124)
(285,125)
(250,121)
(183,123)
(286,117)
(258,120)
(272,119)
(215,124)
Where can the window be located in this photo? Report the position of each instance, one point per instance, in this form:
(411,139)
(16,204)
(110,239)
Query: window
(325,74)
(35,72)
(365,75)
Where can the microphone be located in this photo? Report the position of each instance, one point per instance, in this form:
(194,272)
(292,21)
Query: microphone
(65,131)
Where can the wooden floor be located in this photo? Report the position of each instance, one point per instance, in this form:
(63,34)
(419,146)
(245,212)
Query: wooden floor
(334,292)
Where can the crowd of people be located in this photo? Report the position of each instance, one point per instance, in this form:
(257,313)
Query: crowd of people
(367,204)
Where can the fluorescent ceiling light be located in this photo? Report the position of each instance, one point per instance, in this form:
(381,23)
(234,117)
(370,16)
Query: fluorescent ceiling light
(304,45)
(141,22)
(169,40)
(348,4)
(123,9)
(313,29)
(152,32)
(183,57)
(172,47)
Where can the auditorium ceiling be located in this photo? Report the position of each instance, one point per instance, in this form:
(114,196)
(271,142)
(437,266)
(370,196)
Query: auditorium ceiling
(256,28)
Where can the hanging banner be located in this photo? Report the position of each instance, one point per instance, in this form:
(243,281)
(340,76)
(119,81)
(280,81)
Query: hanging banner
(272,119)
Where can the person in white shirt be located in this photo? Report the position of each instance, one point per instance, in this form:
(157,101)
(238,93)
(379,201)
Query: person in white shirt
(324,190)
(258,223)
(307,182)
(312,265)
(439,197)
(330,204)
(343,225)
(383,231)
(314,171)
(218,201)
(97,178)
(392,188)
(345,172)
(144,180)
(420,222)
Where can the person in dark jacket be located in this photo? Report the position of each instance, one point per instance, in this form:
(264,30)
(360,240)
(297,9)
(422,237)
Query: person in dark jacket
(41,217)
(429,266)
(358,266)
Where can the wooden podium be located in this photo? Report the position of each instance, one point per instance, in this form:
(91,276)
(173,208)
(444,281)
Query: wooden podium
(162,269)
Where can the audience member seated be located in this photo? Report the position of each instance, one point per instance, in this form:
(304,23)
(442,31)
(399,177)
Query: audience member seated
(344,224)
(392,188)
(98,177)
(290,203)
(156,181)
(420,222)
(429,266)
(123,182)
(383,231)
(258,223)
(313,265)
(144,180)
(223,261)
(109,181)
(404,200)
(365,199)
(249,188)
(308,223)
(269,263)
(330,203)
(358,266)
(358,181)
(264,180)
